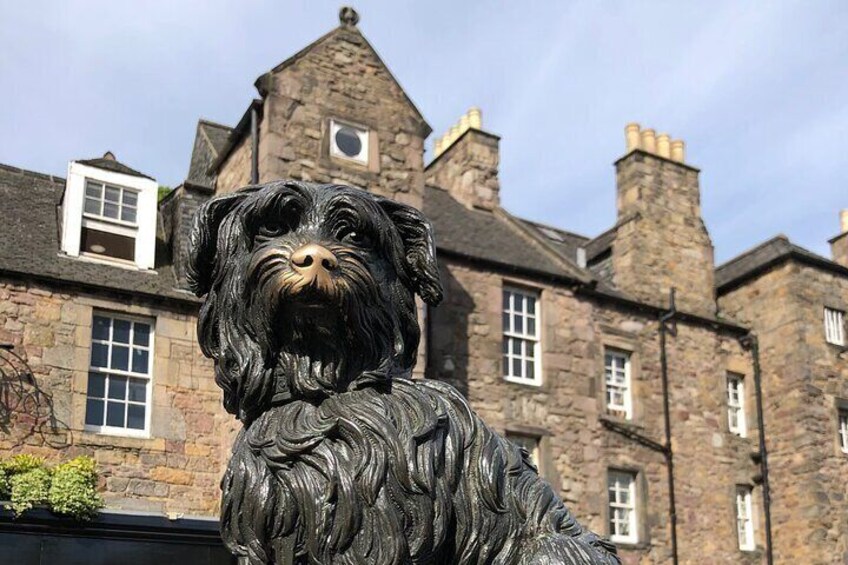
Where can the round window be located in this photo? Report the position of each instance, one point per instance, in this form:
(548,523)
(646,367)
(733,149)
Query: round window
(348,142)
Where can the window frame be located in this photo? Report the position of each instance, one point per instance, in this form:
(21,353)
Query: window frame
(627,407)
(105,429)
(834,326)
(842,429)
(741,427)
(365,138)
(744,512)
(507,335)
(632,508)
(106,219)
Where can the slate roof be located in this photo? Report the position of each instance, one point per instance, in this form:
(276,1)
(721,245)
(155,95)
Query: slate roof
(765,256)
(565,241)
(112,165)
(490,237)
(209,141)
(29,234)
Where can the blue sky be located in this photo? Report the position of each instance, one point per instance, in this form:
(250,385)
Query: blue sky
(758,90)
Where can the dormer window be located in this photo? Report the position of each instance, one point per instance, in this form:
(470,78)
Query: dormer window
(349,142)
(109,213)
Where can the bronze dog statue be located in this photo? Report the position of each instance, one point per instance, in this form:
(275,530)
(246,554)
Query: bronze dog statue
(343,458)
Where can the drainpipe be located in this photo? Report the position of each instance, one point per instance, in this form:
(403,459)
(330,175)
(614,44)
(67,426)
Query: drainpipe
(750,343)
(254,144)
(668,326)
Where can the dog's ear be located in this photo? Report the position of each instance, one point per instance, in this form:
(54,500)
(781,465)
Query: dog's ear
(419,249)
(203,241)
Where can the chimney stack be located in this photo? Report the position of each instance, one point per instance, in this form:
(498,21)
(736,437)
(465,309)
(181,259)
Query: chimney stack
(661,241)
(465,163)
(839,244)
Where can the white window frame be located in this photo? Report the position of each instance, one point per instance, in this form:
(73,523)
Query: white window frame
(530,443)
(100,216)
(148,376)
(364,137)
(521,340)
(622,512)
(834,326)
(745,518)
(736,405)
(842,419)
(612,372)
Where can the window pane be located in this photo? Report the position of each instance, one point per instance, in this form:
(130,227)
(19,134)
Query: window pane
(128,214)
(130,198)
(96,385)
(516,367)
(118,387)
(100,328)
(531,326)
(506,296)
(121,332)
(113,194)
(94,190)
(120,358)
(530,370)
(138,390)
(135,416)
(110,210)
(92,206)
(94,412)
(141,334)
(505,366)
(115,414)
(531,305)
(505,321)
(517,324)
(139,362)
(99,355)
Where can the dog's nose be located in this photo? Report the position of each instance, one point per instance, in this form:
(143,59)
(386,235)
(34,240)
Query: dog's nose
(315,265)
(312,257)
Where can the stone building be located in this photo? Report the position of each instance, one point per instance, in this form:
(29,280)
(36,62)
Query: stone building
(627,364)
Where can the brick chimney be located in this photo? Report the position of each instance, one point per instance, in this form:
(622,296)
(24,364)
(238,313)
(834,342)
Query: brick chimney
(465,163)
(661,241)
(839,244)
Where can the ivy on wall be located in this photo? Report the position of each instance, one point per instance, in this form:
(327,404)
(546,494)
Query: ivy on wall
(68,489)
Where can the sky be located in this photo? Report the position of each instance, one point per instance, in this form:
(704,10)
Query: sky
(757,90)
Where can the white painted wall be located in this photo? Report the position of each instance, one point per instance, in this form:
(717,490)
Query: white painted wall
(72,206)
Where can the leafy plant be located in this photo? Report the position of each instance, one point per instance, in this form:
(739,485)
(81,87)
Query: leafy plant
(29,488)
(69,489)
(73,491)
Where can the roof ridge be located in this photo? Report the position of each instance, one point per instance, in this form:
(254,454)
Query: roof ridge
(29,172)
(549,226)
(213,123)
(754,249)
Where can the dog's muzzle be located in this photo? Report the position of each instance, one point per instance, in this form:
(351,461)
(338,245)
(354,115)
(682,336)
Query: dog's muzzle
(314,266)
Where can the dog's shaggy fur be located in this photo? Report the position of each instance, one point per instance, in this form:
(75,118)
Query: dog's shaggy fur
(343,459)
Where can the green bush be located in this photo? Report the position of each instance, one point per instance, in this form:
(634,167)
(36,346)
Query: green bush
(29,488)
(69,489)
(73,491)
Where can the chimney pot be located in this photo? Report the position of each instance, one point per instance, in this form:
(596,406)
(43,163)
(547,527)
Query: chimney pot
(649,141)
(843,220)
(663,145)
(631,136)
(475,118)
(678,150)
(109,156)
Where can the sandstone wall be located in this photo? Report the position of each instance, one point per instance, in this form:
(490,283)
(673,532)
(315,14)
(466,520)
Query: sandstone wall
(804,379)
(568,409)
(176,469)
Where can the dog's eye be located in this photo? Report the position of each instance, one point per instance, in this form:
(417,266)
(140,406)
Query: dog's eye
(357,238)
(272,229)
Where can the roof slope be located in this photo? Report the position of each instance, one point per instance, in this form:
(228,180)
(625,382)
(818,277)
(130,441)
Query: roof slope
(210,139)
(765,256)
(489,237)
(108,164)
(29,234)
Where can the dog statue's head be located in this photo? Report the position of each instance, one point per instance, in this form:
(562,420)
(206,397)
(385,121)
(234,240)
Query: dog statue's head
(309,290)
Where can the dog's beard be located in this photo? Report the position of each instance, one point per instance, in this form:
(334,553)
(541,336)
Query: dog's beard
(321,340)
